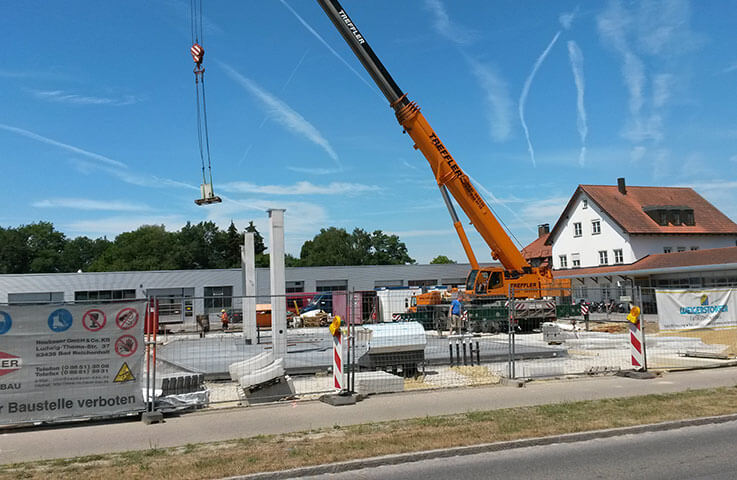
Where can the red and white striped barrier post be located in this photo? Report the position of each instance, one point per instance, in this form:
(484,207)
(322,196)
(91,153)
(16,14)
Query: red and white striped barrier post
(637,344)
(338,376)
(585,315)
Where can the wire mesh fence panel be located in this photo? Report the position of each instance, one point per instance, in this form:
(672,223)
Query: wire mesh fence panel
(571,331)
(692,327)
(416,342)
(224,353)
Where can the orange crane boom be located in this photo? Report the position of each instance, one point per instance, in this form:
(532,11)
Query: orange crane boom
(449,177)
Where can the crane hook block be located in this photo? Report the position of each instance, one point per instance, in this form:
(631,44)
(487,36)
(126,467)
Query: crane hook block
(198,53)
(208,196)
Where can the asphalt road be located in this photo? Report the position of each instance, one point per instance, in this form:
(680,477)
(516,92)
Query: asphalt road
(702,452)
(89,438)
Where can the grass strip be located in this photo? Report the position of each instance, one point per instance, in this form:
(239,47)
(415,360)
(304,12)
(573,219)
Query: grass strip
(315,447)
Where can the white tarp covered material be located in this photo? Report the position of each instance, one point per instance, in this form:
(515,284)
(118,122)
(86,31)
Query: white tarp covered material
(62,361)
(690,309)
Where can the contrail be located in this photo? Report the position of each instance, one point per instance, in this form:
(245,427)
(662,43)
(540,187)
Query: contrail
(322,40)
(266,117)
(526,90)
(576,57)
(284,114)
(70,148)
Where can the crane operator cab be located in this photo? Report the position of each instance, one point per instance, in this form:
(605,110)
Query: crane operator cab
(485,282)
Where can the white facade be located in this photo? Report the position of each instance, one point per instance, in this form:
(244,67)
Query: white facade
(578,239)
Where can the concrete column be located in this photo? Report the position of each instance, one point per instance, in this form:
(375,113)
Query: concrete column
(278,288)
(248,269)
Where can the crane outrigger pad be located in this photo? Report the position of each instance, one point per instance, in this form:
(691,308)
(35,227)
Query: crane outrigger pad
(208,196)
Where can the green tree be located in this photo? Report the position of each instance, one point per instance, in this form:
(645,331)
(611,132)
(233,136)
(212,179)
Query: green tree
(150,247)
(81,252)
(14,254)
(388,250)
(258,240)
(441,259)
(233,242)
(335,246)
(44,247)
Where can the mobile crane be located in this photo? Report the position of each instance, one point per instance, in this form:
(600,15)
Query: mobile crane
(482,283)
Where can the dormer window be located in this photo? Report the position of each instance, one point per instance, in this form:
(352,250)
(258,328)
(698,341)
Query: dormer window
(665,215)
(585,203)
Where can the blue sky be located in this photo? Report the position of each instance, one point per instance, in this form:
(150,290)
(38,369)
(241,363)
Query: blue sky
(98,120)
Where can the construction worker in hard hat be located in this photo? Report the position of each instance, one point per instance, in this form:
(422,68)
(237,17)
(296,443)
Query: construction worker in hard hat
(224,319)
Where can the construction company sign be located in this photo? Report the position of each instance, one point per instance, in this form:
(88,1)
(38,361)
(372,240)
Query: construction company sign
(690,309)
(61,361)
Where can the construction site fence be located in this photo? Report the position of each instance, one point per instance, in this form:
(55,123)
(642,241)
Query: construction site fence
(180,354)
(63,361)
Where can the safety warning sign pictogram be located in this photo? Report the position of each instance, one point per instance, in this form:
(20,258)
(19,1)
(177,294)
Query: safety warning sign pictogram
(124,374)
(93,320)
(127,318)
(126,345)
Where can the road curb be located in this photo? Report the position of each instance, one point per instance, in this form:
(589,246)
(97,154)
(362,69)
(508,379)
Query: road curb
(372,462)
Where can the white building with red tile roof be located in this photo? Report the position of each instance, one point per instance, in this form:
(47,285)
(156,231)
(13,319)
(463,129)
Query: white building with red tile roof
(606,225)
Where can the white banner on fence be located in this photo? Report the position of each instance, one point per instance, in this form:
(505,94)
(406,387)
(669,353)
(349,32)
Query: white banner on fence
(60,361)
(689,309)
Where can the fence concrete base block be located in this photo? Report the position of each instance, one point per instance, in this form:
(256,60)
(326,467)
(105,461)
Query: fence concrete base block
(369,383)
(152,417)
(512,382)
(637,375)
(338,399)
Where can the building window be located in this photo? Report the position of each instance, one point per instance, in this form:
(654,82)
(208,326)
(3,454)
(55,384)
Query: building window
(295,287)
(563,261)
(694,247)
(585,203)
(603,258)
(681,249)
(667,249)
(331,285)
(452,282)
(595,227)
(422,283)
(96,295)
(618,257)
(577,229)
(35,297)
(389,283)
(218,298)
(575,260)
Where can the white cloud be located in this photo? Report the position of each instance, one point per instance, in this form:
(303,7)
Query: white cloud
(446,28)
(314,171)
(497,99)
(112,226)
(660,32)
(90,204)
(284,114)
(576,58)
(70,148)
(131,177)
(638,153)
(300,188)
(422,233)
(544,210)
(566,19)
(60,96)
(662,87)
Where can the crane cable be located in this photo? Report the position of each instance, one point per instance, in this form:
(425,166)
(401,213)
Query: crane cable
(198,53)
